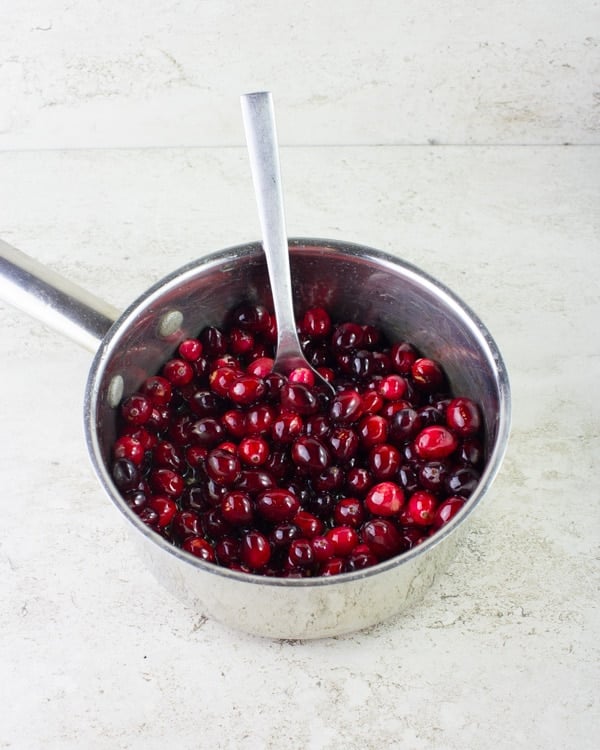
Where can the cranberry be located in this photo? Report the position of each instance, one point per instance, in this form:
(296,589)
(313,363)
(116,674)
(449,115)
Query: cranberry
(403,357)
(261,367)
(259,419)
(136,409)
(373,430)
(333,567)
(168,456)
(236,508)
(130,448)
(349,511)
(206,432)
(157,389)
(435,442)
(385,499)
(165,507)
(361,557)
(427,375)
(346,406)
(227,551)
(316,323)
(254,481)
(347,336)
(223,467)
(323,548)
(205,403)
(253,450)
(287,427)
(186,523)
(277,505)
(298,398)
(384,461)
(255,550)
(301,553)
(382,538)
(343,443)
(392,387)
(126,474)
(311,454)
(447,510)
(199,547)
(213,341)
(283,534)
(432,475)
(358,480)
(250,317)
(463,417)
(405,424)
(167,481)
(178,372)
(462,481)
(309,525)
(247,389)
(344,540)
(421,508)
(190,350)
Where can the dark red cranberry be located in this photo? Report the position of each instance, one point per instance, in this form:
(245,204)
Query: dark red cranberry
(347,336)
(168,456)
(157,389)
(205,403)
(247,389)
(251,317)
(301,553)
(373,430)
(470,451)
(213,341)
(130,448)
(430,415)
(311,454)
(277,505)
(322,504)
(462,481)
(384,461)
(358,480)
(255,550)
(136,499)
(328,480)
(382,537)
(199,547)
(283,534)
(165,507)
(346,406)
(236,508)
(349,511)
(332,567)
(180,429)
(317,426)
(343,443)
(361,557)
(259,419)
(227,551)
(427,375)
(193,498)
(186,523)
(223,467)
(206,432)
(315,323)
(447,510)
(432,475)
(255,481)
(344,540)
(408,478)
(309,525)
(125,474)
(214,525)
(323,548)
(287,427)
(240,341)
(404,425)
(168,482)
(463,417)
(298,398)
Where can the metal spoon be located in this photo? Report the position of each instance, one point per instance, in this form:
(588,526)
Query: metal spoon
(261,137)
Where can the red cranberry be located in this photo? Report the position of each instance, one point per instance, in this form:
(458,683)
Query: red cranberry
(259,419)
(178,372)
(435,442)
(250,317)
(287,427)
(157,389)
(344,540)
(247,389)
(447,510)
(421,508)
(130,448)
(405,424)
(255,550)
(427,375)
(403,357)
(168,456)
(346,406)
(432,475)
(234,421)
(373,430)
(384,461)
(343,443)
(298,398)
(213,341)
(261,367)
(227,551)
(137,409)
(253,450)
(349,511)
(254,481)
(382,538)
(240,341)
(168,482)
(277,505)
(323,548)
(283,534)
(392,387)
(236,508)
(301,553)
(310,526)
(316,323)
(199,547)
(385,499)
(329,480)
(463,417)
(205,403)
(358,480)
(361,557)
(186,523)
(223,467)
(332,567)
(190,350)
(165,507)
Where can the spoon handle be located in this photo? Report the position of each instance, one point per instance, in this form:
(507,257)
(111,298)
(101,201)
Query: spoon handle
(261,136)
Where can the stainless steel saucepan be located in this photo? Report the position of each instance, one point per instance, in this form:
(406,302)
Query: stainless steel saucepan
(354,282)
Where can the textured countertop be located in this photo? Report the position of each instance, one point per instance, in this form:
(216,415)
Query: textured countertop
(503,650)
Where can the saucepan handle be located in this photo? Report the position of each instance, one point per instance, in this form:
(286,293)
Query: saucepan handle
(58,303)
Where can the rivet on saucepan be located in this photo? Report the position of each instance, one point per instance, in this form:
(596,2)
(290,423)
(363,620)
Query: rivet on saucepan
(114,393)
(170,323)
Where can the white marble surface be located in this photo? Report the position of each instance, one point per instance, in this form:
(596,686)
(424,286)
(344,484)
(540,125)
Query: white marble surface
(503,651)
(120,158)
(90,73)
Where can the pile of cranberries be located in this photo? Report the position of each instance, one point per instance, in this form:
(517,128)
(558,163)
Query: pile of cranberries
(274,475)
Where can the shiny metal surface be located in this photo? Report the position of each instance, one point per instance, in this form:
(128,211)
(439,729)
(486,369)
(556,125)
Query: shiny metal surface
(47,296)
(261,136)
(354,282)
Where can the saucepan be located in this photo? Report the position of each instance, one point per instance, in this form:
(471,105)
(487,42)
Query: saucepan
(354,282)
